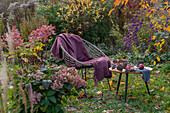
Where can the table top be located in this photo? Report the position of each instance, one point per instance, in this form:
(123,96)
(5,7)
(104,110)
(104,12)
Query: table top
(123,71)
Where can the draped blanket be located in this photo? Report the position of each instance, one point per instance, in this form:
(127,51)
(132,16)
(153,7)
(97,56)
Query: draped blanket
(76,48)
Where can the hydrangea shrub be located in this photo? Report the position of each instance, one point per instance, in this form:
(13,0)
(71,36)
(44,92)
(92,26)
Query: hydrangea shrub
(51,86)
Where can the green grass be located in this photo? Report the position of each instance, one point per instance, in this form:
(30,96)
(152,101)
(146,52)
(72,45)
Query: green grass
(138,99)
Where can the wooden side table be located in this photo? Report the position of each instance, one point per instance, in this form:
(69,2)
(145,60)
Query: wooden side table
(127,73)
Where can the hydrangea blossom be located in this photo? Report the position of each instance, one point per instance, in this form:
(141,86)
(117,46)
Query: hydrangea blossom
(67,75)
(36,97)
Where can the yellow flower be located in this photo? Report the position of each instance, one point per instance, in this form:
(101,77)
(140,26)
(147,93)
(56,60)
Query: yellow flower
(168,29)
(61,8)
(158,59)
(153,10)
(39,48)
(162,40)
(159,26)
(157,44)
(154,63)
(156,24)
(153,22)
(153,37)
(163,16)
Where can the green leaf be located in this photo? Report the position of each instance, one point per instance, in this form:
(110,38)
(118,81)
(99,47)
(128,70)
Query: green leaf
(68,86)
(64,100)
(53,109)
(43,69)
(51,92)
(75,94)
(57,108)
(43,108)
(46,101)
(59,95)
(79,89)
(34,83)
(49,108)
(52,99)
(61,91)
(61,111)
(41,87)
(45,83)
(42,102)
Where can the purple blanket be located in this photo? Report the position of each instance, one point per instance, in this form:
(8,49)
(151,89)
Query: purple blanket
(76,48)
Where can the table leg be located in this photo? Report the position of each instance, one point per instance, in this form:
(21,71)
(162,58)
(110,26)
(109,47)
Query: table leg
(85,74)
(108,84)
(147,87)
(119,82)
(126,86)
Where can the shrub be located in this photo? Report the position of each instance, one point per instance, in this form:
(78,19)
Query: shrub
(32,51)
(86,18)
(50,88)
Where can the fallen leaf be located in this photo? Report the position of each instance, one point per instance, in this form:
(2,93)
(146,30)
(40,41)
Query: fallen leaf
(156,107)
(92,107)
(87,78)
(102,84)
(119,105)
(113,75)
(110,82)
(120,109)
(163,88)
(89,96)
(88,72)
(156,100)
(80,106)
(99,92)
(108,111)
(134,98)
(152,80)
(152,90)
(105,89)
(122,82)
(81,93)
(157,71)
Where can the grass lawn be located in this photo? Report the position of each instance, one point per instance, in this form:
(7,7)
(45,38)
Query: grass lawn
(101,99)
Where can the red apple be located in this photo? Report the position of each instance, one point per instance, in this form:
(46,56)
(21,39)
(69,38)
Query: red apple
(141,66)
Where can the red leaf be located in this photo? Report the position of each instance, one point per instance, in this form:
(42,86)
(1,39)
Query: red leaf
(134,98)
(87,78)
(156,100)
